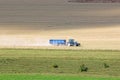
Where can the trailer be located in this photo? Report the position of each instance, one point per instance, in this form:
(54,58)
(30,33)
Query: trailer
(57,42)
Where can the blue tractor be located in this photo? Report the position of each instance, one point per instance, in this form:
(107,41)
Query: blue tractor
(71,42)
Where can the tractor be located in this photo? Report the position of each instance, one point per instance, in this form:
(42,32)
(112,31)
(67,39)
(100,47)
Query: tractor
(71,42)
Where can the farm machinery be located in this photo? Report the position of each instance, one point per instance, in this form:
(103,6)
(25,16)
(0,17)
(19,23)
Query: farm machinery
(63,42)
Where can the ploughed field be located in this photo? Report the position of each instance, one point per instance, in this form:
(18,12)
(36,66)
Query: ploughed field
(54,64)
(32,23)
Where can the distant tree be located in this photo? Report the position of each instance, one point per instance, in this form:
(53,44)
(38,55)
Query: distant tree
(83,68)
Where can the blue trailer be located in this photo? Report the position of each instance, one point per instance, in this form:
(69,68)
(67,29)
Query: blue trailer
(57,42)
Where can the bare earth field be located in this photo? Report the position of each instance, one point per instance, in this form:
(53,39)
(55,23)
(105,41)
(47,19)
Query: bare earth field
(33,22)
(90,38)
